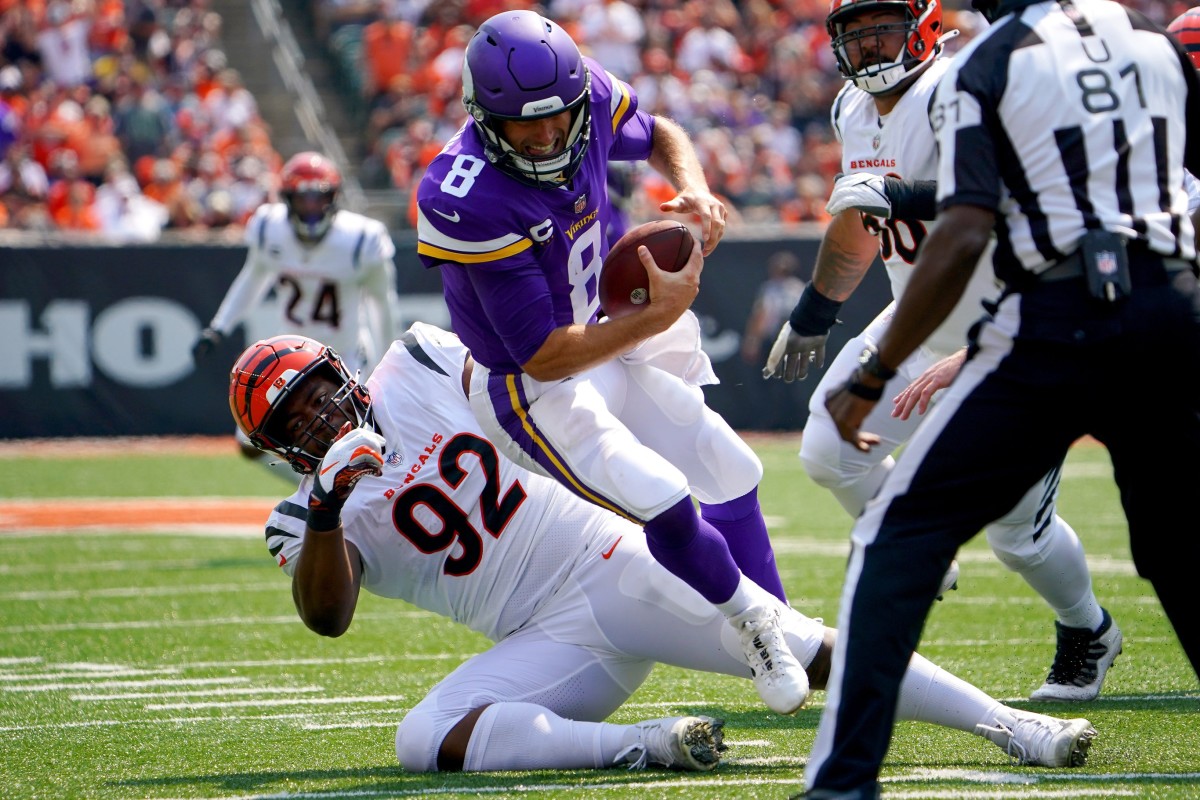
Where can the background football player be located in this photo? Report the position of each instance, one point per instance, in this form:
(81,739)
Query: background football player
(331,269)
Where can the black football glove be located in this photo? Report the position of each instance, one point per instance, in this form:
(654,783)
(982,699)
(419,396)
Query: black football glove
(208,341)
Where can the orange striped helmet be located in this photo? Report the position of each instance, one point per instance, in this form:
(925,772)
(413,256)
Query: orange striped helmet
(1186,30)
(272,370)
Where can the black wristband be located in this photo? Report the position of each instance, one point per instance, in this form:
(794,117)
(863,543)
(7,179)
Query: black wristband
(870,364)
(911,199)
(815,314)
(323,519)
(859,389)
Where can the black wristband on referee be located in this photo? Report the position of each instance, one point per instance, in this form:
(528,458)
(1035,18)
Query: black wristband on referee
(322,518)
(815,314)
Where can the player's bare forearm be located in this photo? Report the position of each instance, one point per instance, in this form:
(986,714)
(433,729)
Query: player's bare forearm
(846,253)
(326,583)
(941,274)
(675,158)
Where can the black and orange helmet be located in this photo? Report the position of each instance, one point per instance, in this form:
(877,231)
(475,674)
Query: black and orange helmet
(268,372)
(1186,30)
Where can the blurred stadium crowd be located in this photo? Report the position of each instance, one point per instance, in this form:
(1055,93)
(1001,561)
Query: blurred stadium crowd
(123,118)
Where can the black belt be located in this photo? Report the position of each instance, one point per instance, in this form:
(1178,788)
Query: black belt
(1072,266)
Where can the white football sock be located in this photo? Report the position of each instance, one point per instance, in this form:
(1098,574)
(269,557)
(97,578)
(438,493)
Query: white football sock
(1063,580)
(745,595)
(930,694)
(528,736)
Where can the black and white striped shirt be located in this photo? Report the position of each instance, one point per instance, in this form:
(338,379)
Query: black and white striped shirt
(1065,116)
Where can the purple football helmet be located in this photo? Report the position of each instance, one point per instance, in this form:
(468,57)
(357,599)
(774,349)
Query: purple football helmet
(521,66)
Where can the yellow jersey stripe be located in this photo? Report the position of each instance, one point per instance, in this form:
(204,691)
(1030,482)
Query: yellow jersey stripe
(427,249)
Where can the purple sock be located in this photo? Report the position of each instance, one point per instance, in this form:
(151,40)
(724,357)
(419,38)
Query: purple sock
(740,522)
(694,551)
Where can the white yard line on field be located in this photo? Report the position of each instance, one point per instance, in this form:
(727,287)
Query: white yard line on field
(144,591)
(144,624)
(241,690)
(221,719)
(299,701)
(58,686)
(681,783)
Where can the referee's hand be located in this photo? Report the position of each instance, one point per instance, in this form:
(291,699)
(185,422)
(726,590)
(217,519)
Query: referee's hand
(849,410)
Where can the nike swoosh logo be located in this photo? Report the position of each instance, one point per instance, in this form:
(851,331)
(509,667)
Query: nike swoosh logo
(452,217)
(331,466)
(608,554)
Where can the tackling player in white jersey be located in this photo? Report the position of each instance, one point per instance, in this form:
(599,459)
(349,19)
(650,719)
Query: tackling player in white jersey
(411,501)
(889,51)
(331,269)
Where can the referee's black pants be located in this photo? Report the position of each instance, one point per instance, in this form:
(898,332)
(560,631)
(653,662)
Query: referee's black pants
(1050,366)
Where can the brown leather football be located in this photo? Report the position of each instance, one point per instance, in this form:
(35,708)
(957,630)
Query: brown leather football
(624,287)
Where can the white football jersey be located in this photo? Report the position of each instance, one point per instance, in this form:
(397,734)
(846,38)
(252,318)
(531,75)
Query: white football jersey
(902,144)
(451,526)
(337,291)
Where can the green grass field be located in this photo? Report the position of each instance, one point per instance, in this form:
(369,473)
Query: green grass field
(171,664)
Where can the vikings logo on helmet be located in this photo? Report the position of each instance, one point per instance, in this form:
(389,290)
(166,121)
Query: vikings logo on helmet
(267,373)
(921,27)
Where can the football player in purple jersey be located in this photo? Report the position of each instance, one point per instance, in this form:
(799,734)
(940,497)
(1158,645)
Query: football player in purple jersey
(514,211)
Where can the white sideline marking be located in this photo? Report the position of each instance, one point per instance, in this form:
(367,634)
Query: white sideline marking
(53,687)
(143,591)
(200,693)
(312,726)
(14,661)
(300,701)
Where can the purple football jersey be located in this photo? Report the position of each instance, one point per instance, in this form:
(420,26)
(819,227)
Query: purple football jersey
(518,261)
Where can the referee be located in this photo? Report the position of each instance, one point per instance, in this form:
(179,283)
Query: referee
(1063,128)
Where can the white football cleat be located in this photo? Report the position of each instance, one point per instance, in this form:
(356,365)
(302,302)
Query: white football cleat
(1041,741)
(687,743)
(779,678)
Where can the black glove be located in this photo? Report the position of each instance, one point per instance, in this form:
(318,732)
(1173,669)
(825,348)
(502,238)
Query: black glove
(208,341)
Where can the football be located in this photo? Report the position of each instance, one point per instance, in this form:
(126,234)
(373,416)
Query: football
(624,286)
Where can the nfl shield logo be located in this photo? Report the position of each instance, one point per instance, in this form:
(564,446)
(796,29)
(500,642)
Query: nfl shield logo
(1106,262)
(581,203)
(875,142)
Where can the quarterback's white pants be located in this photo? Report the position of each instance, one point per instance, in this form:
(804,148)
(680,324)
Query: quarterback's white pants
(592,645)
(1020,539)
(632,435)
